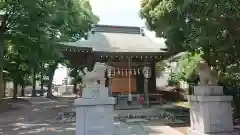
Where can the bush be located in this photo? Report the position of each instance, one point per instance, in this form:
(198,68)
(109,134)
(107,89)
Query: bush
(235,92)
(186,70)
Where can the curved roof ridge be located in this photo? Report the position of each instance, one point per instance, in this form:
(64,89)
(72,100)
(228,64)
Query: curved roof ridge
(116,29)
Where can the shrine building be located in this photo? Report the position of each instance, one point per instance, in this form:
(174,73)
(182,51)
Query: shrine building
(127,50)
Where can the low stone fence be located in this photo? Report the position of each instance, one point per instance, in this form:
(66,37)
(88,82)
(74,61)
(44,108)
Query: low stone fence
(133,117)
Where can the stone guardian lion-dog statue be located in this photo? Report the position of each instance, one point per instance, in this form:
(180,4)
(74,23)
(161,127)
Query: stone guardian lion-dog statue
(207,75)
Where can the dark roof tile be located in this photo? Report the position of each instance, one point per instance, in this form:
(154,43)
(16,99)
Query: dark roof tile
(118,39)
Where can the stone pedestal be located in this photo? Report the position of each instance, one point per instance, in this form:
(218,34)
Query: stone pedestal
(94,112)
(210,112)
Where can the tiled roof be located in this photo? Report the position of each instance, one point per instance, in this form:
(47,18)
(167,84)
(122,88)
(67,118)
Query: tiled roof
(118,39)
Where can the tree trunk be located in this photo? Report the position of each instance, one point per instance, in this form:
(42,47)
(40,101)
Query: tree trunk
(49,91)
(23,91)
(41,79)
(2,30)
(75,87)
(34,83)
(4,88)
(15,90)
(51,72)
(1,65)
(42,89)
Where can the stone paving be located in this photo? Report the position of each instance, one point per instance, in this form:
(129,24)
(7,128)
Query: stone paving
(38,119)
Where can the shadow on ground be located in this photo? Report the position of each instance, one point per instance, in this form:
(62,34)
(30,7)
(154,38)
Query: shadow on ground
(39,129)
(36,117)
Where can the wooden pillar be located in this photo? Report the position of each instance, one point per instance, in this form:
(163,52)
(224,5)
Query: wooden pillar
(147,74)
(153,85)
(129,84)
(140,84)
(146,94)
(110,87)
(108,76)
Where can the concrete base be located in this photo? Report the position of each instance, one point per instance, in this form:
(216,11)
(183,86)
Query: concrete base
(95,116)
(93,102)
(195,132)
(208,91)
(210,112)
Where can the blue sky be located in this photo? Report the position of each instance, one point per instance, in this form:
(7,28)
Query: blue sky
(118,12)
(112,12)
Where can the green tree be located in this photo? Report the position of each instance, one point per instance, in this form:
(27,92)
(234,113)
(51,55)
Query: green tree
(16,24)
(76,74)
(186,69)
(78,17)
(198,25)
(17,69)
(36,28)
(160,67)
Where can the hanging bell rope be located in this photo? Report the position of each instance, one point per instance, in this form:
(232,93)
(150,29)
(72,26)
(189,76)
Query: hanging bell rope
(126,72)
(122,72)
(134,71)
(138,71)
(114,72)
(130,72)
(119,72)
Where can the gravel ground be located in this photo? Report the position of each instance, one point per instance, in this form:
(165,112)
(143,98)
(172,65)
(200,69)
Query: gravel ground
(39,118)
(33,117)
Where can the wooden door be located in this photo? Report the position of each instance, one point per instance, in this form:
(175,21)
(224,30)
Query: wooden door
(121,84)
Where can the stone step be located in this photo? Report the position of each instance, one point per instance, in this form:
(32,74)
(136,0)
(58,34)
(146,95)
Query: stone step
(66,117)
